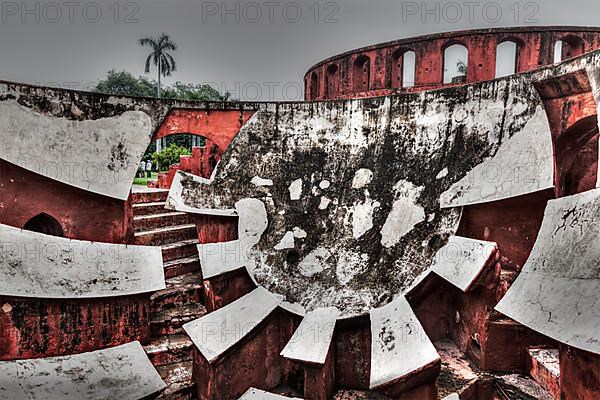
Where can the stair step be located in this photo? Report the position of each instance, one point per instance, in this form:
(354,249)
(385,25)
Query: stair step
(180,290)
(181,266)
(150,196)
(178,250)
(155,221)
(160,236)
(170,321)
(149,208)
(169,349)
(544,368)
(178,378)
(458,374)
(522,388)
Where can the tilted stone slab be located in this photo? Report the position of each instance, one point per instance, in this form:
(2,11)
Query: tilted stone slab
(34,265)
(462,261)
(99,155)
(218,331)
(558,292)
(123,373)
(219,258)
(312,340)
(399,345)
(257,394)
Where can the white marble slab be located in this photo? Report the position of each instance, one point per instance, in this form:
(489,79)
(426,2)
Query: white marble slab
(123,373)
(219,258)
(399,344)
(35,265)
(452,396)
(312,340)
(462,260)
(100,156)
(558,292)
(218,331)
(257,394)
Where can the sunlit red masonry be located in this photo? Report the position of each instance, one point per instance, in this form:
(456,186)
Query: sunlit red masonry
(401,240)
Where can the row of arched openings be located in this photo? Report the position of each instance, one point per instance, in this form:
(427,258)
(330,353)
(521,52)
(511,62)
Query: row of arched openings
(455,62)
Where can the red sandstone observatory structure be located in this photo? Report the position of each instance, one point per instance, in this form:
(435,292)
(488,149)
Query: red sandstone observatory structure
(412,237)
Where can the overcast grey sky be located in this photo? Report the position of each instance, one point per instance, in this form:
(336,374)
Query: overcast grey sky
(68,42)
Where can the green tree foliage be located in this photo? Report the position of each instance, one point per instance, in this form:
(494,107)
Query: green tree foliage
(169,156)
(122,83)
(125,84)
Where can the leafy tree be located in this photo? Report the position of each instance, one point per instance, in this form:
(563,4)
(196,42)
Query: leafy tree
(160,56)
(124,84)
(202,92)
(169,156)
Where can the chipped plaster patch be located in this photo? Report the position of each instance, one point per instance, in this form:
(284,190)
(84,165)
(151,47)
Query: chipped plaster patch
(443,173)
(405,214)
(253,221)
(324,203)
(296,189)
(362,178)
(258,181)
(362,217)
(287,242)
(299,233)
(315,262)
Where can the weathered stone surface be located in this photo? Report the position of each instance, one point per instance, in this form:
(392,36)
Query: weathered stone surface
(353,215)
(558,290)
(34,265)
(122,372)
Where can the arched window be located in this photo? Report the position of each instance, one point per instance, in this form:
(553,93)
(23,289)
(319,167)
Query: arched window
(410,65)
(506,58)
(456,64)
(577,158)
(331,81)
(362,74)
(572,46)
(314,85)
(44,223)
(403,69)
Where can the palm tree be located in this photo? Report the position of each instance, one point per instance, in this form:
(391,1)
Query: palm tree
(160,56)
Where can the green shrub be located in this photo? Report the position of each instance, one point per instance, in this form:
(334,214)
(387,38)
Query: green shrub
(169,156)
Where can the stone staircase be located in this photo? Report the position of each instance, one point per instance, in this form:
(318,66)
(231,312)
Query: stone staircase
(170,350)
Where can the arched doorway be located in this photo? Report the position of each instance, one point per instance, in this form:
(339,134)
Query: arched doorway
(331,81)
(314,86)
(46,224)
(577,158)
(362,74)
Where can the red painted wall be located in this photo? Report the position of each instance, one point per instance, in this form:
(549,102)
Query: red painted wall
(32,328)
(82,215)
(535,49)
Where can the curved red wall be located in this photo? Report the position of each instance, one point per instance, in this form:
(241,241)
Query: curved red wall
(342,77)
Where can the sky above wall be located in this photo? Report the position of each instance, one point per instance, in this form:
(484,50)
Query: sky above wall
(255,50)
